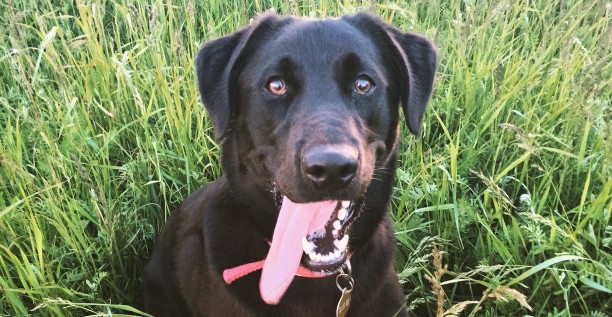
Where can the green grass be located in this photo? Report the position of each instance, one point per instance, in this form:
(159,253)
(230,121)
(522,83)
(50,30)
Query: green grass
(102,135)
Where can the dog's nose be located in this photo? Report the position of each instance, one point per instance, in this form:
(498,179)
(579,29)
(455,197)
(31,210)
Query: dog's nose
(330,166)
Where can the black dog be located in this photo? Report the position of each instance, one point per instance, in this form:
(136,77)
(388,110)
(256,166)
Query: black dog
(308,111)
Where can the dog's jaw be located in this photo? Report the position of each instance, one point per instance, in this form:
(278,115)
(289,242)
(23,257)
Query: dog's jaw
(327,248)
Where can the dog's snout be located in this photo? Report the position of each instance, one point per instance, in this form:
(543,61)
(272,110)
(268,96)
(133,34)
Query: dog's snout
(330,166)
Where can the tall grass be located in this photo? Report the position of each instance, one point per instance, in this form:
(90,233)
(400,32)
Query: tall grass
(103,135)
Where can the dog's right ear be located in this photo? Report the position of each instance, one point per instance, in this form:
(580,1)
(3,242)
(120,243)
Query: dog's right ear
(219,63)
(213,66)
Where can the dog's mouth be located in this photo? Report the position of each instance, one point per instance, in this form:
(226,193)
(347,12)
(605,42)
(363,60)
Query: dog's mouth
(314,234)
(325,249)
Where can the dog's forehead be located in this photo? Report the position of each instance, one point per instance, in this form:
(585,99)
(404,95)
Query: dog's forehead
(319,41)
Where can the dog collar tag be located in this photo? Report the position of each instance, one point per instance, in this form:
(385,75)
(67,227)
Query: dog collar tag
(345,299)
(344,303)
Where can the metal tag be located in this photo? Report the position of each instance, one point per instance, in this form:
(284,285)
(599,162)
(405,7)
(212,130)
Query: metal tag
(345,298)
(344,303)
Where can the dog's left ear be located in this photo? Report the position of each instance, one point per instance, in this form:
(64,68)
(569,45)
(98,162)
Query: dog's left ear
(413,56)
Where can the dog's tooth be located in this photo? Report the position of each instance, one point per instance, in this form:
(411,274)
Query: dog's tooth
(320,257)
(342,243)
(307,245)
(342,213)
(337,254)
(346,203)
(337,225)
(334,232)
(312,255)
(329,257)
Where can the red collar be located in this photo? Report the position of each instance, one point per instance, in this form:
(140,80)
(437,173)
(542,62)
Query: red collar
(230,275)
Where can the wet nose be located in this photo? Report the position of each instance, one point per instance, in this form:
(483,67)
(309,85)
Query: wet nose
(330,166)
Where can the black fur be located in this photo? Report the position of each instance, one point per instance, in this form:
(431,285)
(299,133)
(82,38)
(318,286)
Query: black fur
(228,223)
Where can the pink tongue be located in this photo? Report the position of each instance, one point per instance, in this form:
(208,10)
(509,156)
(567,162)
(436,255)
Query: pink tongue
(294,222)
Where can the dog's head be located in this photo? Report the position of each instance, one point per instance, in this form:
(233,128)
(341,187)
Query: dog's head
(314,107)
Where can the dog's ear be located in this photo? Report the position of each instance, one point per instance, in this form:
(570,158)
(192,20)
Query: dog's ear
(415,59)
(219,63)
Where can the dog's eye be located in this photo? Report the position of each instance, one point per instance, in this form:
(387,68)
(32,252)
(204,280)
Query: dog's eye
(363,85)
(276,86)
